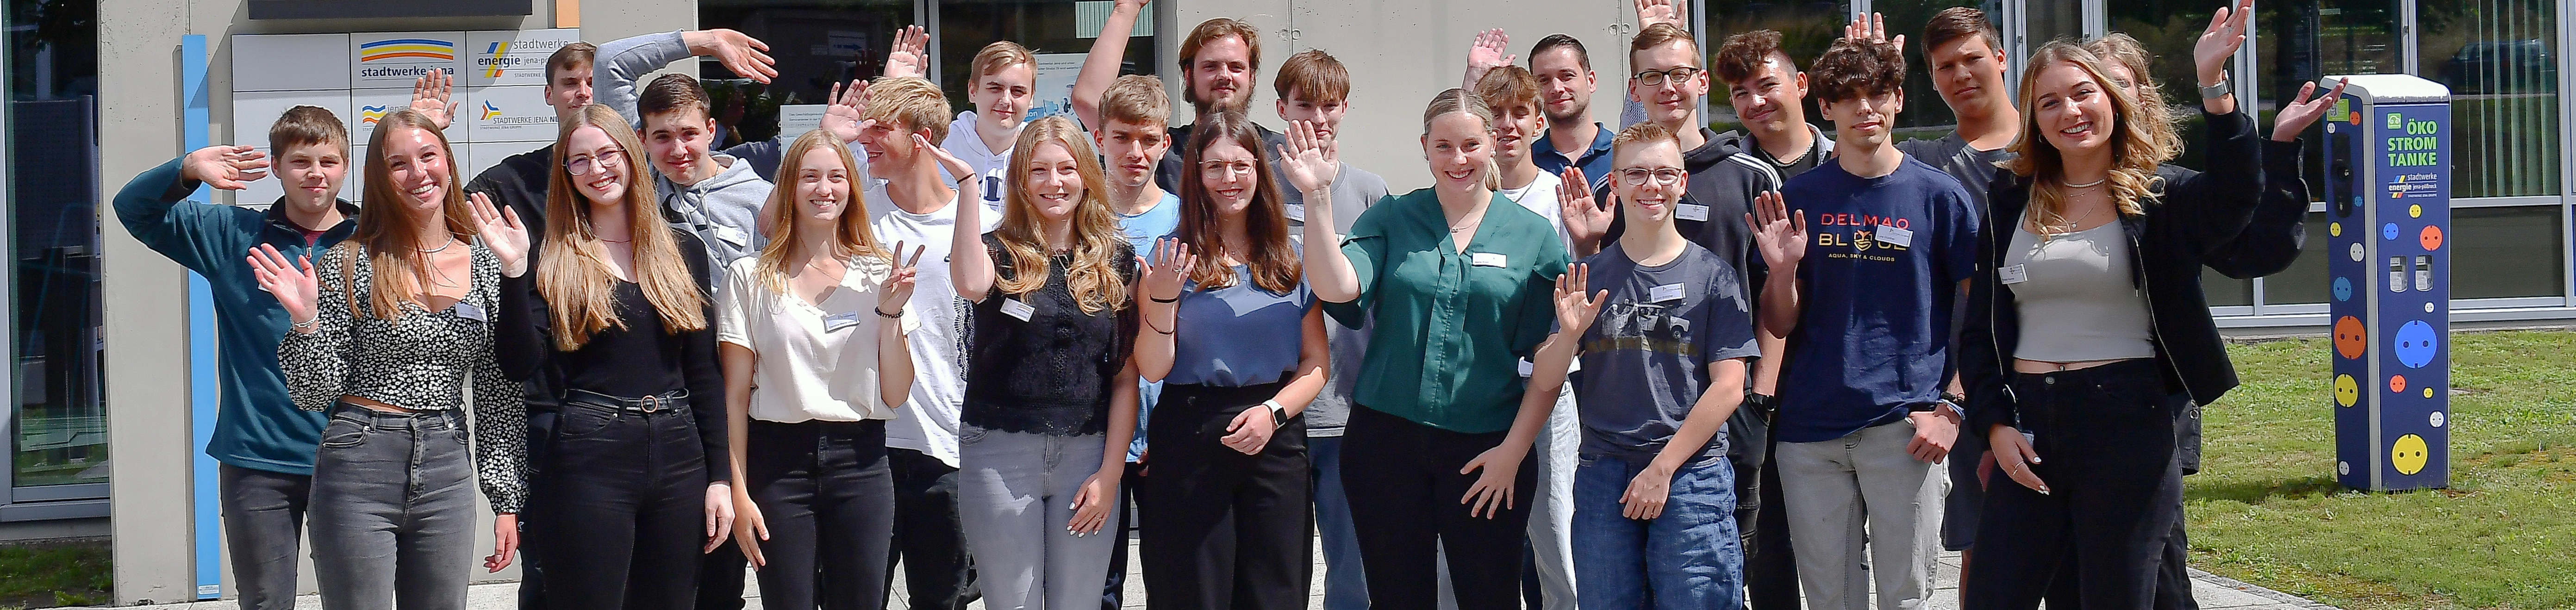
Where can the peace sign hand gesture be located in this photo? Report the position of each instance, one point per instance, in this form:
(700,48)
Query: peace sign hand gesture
(897,289)
(291,282)
(1309,160)
(1169,269)
(1574,310)
(1781,235)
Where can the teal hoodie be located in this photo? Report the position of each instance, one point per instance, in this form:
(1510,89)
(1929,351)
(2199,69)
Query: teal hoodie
(256,427)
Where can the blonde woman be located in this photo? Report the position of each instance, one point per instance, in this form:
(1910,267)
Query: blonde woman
(1050,382)
(383,333)
(610,314)
(817,321)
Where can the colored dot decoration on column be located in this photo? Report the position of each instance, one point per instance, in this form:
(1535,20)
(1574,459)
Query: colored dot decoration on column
(2388,231)
(2347,392)
(2349,338)
(2415,344)
(2343,289)
(2415,211)
(2431,238)
(2428,392)
(2334,229)
(2409,454)
(2396,383)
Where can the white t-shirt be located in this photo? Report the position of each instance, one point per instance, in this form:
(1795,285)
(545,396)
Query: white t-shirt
(928,423)
(1540,196)
(815,362)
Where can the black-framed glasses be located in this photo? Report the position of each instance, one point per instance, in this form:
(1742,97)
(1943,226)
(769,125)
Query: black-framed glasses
(606,159)
(1655,78)
(1636,176)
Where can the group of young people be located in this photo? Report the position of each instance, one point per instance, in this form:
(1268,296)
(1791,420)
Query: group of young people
(1648,367)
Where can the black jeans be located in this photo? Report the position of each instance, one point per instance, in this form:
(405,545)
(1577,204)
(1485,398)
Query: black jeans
(263,523)
(621,506)
(827,495)
(927,537)
(1404,487)
(1229,530)
(2106,434)
(1113,591)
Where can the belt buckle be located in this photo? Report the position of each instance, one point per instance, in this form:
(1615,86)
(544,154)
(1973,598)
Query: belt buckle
(650,404)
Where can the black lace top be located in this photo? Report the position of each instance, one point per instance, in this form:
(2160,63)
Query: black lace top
(1052,373)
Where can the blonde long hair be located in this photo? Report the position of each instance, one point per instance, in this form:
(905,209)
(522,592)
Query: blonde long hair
(2131,55)
(2136,138)
(850,235)
(388,232)
(1093,277)
(574,278)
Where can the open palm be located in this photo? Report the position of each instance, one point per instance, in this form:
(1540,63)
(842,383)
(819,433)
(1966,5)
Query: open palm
(1778,232)
(1574,310)
(501,232)
(2300,111)
(292,282)
(1170,269)
(1309,160)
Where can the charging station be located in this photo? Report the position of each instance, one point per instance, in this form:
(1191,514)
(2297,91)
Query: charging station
(2388,194)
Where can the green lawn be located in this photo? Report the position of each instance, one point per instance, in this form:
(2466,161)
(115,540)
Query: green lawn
(49,575)
(2265,508)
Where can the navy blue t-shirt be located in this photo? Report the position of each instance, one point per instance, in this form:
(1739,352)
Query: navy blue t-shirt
(1645,360)
(1873,332)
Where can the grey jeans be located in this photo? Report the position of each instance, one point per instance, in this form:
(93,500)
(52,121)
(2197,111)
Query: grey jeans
(393,510)
(263,520)
(1866,479)
(1014,497)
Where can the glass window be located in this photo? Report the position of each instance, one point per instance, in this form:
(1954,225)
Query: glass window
(816,43)
(2500,58)
(2168,29)
(2507,252)
(2298,41)
(58,434)
(1806,28)
(1046,27)
(1925,116)
(2222,291)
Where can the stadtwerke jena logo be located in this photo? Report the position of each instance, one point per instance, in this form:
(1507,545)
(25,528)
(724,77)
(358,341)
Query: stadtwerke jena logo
(401,48)
(369,115)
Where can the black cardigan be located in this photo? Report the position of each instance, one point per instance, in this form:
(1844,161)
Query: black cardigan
(2279,229)
(2196,215)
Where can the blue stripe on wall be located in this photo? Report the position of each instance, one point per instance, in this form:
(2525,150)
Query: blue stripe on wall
(203,388)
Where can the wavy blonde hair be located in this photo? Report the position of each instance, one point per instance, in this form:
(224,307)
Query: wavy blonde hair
(387,231)
(2137,138)
(1093,276)
(2132,55)
(850,237)
(574,275)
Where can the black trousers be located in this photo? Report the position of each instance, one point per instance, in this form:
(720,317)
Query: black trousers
(263,515)
(621,506)
(1229,530)
(2106,434)
(1404,488)
(1113,591)
(827,495)
(927,539)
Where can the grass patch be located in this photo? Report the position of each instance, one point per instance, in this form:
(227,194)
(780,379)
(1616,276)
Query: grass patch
(2265,508)
(54,574)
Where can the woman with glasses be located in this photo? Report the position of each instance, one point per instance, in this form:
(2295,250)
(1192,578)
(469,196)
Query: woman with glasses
(617,322)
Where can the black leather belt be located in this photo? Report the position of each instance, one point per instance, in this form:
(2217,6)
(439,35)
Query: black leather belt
(675,400)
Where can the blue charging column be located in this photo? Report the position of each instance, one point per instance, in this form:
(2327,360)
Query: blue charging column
(2388,193)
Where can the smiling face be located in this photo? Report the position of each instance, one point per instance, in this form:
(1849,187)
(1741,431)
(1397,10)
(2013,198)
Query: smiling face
(1460,148)
(1866,120)
(417,167)
(1565,86)
(1231,175)
(607,174)
(678,140)
(1002,97)
(822,189)
(2075,115)
(1672,102)
(1652,201)
(1221,74)
(1327,115)
(1515,127)
(1768,102)
(1968,72)
(888,148)
(1054,181)
(1133,151)
(312,174)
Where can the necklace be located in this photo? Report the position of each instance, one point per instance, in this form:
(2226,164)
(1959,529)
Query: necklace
(2087,185)
(451,241)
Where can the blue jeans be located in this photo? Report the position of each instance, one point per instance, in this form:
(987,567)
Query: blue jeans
(1686,558)
(1345,586)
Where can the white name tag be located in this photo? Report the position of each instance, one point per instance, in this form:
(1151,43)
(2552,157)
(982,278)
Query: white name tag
(733,236)
(1017,309)
(1691,211)
(1667,292)
(1486,259)
(835,322)
(1893,236)
(2013,275)
(1296,211)
(469,311)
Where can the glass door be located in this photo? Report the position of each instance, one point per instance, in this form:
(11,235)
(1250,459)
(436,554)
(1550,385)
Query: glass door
(57,424)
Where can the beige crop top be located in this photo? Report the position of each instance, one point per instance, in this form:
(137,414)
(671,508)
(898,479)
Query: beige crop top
(2075,297)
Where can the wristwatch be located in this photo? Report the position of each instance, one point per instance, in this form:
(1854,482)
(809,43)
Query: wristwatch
(2224,87)
(1278,414)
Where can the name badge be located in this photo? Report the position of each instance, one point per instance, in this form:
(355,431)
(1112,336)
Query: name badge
(835,322)
(1017,309)
(1691,211)
(1893,236)
(1667,292)
(733,236)
(1486,259)
(469,311)
(2013,274)
(1296,211)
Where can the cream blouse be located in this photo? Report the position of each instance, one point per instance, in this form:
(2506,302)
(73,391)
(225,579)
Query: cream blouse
(814,363)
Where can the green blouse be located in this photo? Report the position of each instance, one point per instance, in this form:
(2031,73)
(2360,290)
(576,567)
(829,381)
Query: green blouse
(1451,326)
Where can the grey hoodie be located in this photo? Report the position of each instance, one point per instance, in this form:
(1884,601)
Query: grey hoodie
(722,210)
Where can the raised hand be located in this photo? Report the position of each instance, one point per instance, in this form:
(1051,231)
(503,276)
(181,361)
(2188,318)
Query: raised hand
(848,111)
(501,232)
(2225,34)
(292,282)
(1781,235)
(746,56)
(911,54)
(898,285)
(1574,310)
(1170,268)
(2300,112)
(1309,160)
(1650,12)
(957,168)
(431,96)
(225,167)
(1486,54)
(1872,28)
(1585,220)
